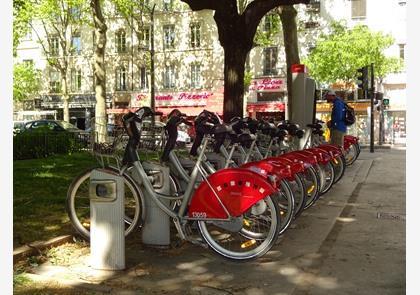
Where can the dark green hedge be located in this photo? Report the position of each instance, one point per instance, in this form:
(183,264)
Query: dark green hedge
(32,145)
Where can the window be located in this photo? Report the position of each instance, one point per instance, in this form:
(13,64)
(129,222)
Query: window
(195,35)
(358,8)
(75,12)
(169,77)
(76,44)
(54,81)
(143,78)
(144,41)
(169,36)
(271,23)
(120,41)
(195,76)
(402,50)
(54,43)
(76,80)
(121,79)
(28,62)
(167,5)
(270,61)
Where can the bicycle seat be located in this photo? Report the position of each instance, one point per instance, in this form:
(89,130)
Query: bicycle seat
(315,126)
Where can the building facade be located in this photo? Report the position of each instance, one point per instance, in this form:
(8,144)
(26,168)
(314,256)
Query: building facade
(189,60)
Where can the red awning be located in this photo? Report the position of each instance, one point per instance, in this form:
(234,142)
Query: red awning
(266,107)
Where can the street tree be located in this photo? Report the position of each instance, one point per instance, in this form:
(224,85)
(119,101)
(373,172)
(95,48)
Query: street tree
(290,36)
(99,68)
(338,54)
(236,32)
(26,81)
(22,15)
(56,24)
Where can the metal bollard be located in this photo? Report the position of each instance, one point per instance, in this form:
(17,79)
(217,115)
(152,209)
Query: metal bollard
(107,238)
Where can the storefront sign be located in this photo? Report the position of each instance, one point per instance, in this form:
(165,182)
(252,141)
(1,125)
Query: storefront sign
(267,84)
(173,99)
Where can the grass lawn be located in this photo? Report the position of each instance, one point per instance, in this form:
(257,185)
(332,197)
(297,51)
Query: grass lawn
(39,194)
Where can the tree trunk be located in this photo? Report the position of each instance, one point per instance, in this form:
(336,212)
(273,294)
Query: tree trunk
(288,21)
(99,71)
(65,95)
(234,72)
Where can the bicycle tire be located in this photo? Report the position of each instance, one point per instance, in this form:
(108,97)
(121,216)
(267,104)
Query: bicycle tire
(329,178)
(81,222)
(208,228)
(339,167)
(286,202)
(352,154)
(312,186)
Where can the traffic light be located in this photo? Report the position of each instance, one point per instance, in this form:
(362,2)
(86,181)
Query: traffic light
(385,101)
(362,78)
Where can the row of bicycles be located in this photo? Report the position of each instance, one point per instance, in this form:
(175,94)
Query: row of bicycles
(236,191)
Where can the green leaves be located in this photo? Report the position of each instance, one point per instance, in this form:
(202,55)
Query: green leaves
(338,55)
(26,81)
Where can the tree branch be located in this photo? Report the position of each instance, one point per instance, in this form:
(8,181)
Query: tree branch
(196,5)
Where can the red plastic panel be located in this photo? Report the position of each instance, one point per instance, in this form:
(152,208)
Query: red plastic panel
(266,167)
(334,150)
(297,156)
(238,189)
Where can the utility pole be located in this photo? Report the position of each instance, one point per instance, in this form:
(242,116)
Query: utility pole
(372,121)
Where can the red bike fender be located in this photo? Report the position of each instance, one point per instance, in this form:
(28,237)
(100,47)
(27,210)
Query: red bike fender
(351,139)
(334,150)
(266,168)
(295,166)
(299,157)
(323,156)
(237,189)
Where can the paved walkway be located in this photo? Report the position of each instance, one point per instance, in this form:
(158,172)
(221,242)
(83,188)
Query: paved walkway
(351,242)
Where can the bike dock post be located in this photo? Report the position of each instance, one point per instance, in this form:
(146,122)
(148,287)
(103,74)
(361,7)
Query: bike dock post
(107,238)
(156,227)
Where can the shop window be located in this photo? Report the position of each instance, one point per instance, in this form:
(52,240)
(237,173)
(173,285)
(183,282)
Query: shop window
(195,35)
(270,61)
(120,41)
(358,8)
(121,79)
(76,80)
(168,36)
(169,77)
(55,81)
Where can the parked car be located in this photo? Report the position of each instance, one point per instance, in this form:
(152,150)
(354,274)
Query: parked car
(18,126)
(56,126)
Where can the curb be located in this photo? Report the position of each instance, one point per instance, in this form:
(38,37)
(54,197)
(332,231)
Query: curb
(34,248)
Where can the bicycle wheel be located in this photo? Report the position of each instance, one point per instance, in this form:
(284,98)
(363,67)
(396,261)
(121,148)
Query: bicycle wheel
(286,201)
(352,154)
(261,222)
(298,188)
(78,203)
(329,177)
(339,167)
(311,184)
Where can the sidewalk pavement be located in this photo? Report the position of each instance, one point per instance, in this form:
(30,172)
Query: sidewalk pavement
(351,242)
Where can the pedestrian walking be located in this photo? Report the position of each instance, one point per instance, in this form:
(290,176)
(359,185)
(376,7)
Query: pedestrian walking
(337,123)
